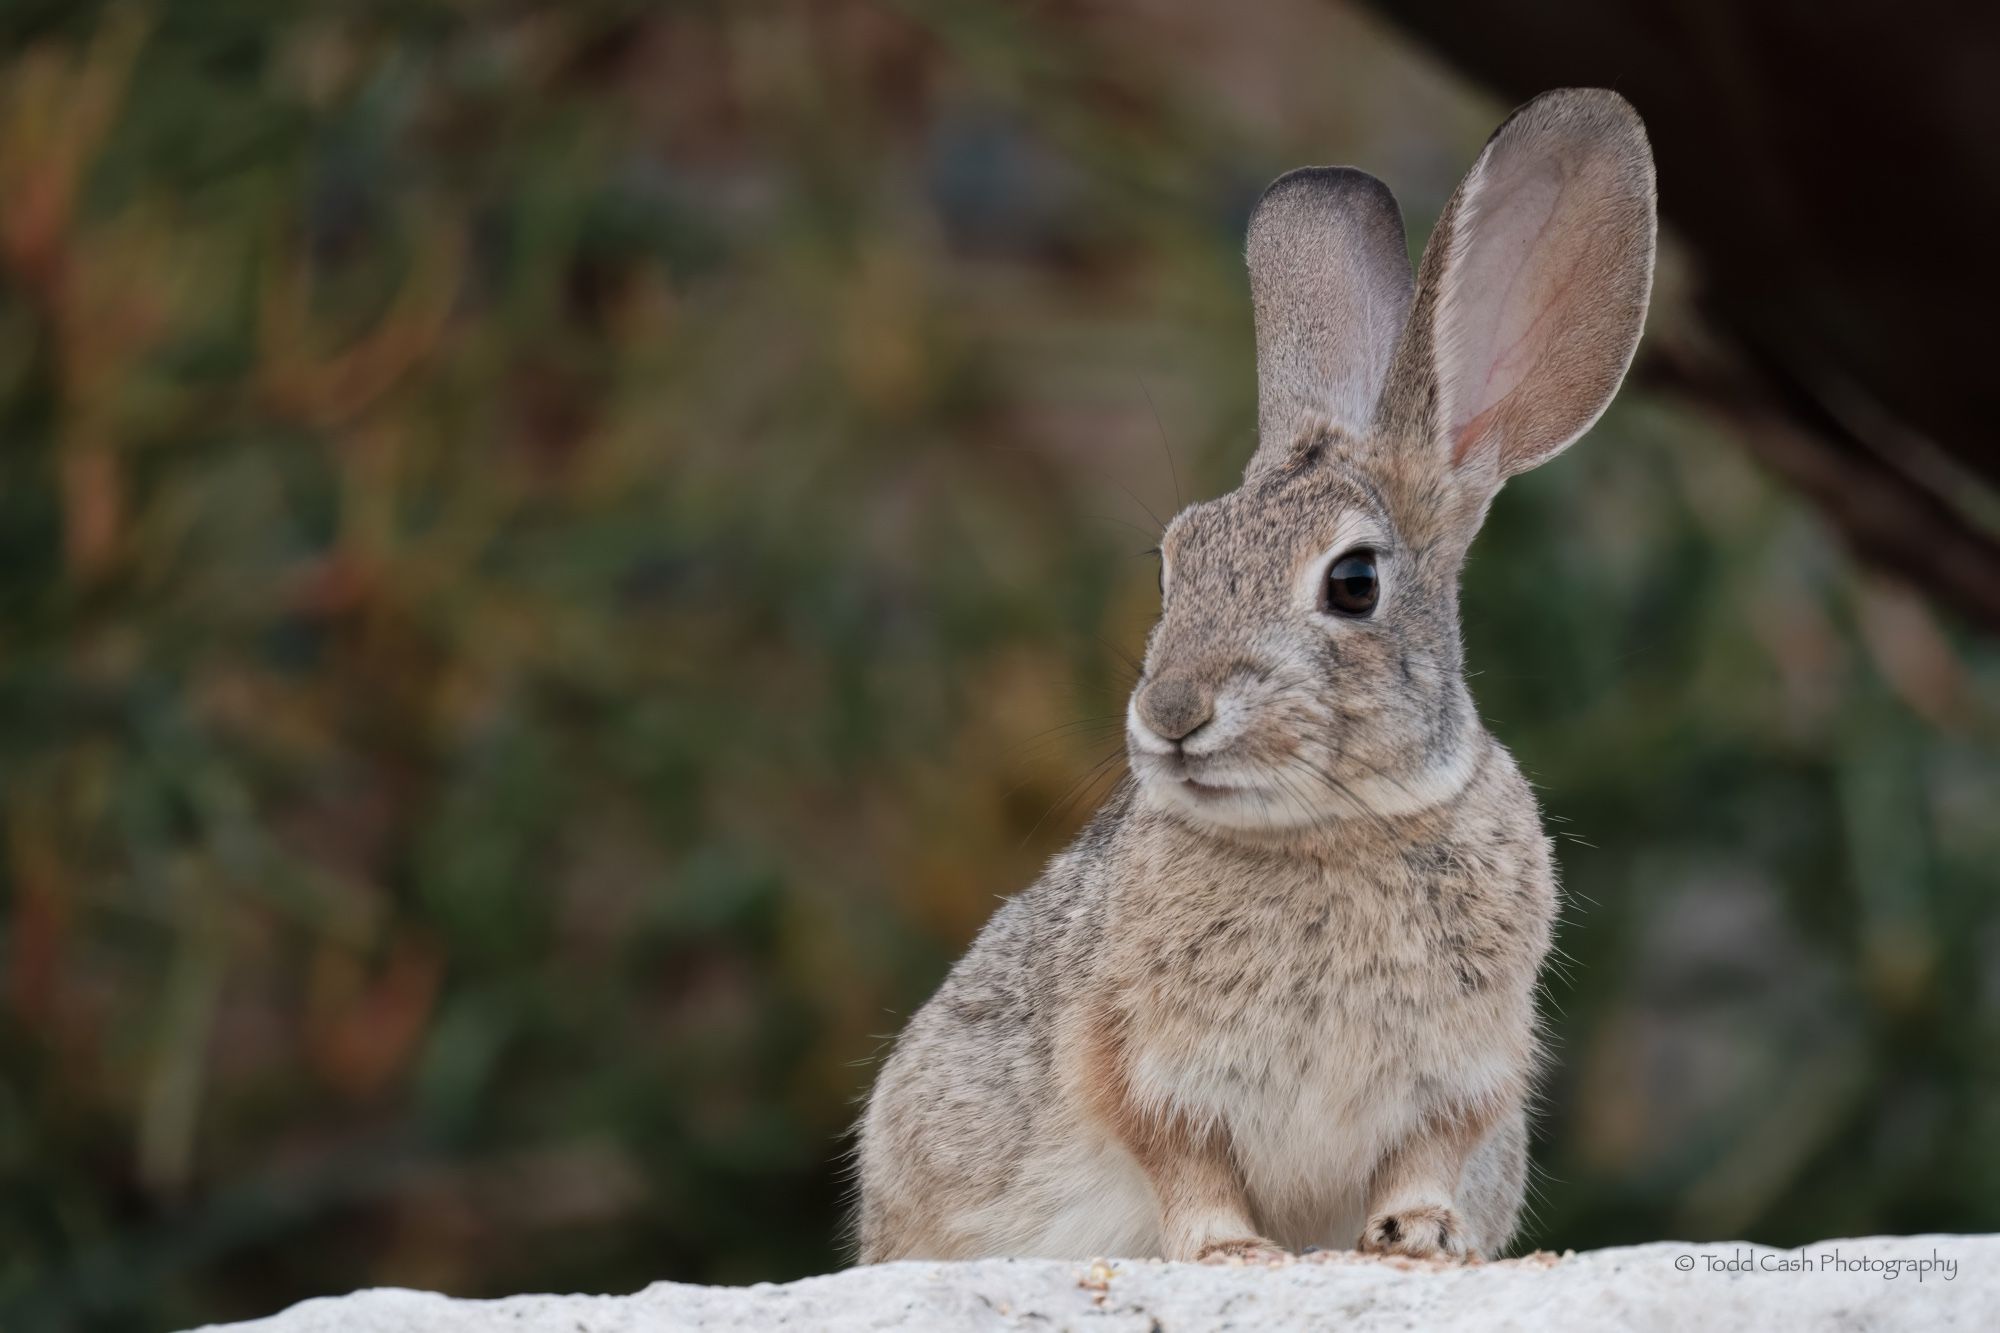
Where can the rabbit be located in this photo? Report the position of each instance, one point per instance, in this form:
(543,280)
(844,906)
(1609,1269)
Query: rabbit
(1280,991)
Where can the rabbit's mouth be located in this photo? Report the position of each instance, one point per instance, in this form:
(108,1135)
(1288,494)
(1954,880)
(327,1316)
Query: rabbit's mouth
(1240,804)
(1189,782)
(1194,776)
(1234,802)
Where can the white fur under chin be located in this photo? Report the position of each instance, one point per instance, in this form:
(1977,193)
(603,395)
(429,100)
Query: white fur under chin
(1261,802)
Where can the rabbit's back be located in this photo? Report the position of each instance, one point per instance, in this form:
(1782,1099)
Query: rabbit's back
(966,1139)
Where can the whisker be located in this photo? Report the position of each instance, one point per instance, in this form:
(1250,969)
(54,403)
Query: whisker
(1096,470)
(1303,693)
(1346,793)
(1095,771)
(1138,669)
(1026,755)
(1165,445)
(1100,788)
(1288,782)
(1142,504)
(1106,720)
(1126,522)
(1345,756)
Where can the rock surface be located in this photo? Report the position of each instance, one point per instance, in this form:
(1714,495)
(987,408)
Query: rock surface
(1890,1282)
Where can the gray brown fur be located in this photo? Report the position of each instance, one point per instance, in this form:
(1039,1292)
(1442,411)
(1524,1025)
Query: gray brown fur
(1280,991)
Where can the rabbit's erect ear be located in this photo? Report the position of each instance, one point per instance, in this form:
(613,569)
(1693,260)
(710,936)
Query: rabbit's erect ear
(1330,284)
(1534,286)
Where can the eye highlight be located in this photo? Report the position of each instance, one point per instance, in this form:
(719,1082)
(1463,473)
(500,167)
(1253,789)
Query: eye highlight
(1351,584)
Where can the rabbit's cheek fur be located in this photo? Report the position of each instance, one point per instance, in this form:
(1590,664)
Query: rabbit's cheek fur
(1337,721)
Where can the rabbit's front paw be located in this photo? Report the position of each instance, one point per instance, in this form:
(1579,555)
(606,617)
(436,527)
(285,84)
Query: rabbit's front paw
(1424,1231)
(1246,1250)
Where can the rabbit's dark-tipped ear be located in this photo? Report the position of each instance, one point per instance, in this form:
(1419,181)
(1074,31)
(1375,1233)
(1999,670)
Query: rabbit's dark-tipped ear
(1330,283)
(1534,286)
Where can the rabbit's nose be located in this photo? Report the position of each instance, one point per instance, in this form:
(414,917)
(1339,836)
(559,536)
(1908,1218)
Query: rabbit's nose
(1175,708)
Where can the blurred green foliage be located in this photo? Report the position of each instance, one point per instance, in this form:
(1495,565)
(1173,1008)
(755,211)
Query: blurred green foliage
(554,559)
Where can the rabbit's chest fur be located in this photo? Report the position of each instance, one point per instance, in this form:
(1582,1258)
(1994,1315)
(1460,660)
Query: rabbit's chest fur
(1318,1004)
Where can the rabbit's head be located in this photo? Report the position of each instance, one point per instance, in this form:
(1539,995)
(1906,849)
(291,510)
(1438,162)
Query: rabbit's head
(1306,664)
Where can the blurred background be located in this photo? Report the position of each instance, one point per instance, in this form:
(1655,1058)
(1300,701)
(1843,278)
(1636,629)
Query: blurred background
(555,559)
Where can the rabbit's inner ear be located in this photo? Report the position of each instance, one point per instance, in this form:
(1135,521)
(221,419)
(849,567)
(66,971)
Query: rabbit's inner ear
(1330,283)
(1545,278)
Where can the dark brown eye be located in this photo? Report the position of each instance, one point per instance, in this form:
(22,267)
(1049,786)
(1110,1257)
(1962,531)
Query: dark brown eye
(1351,585)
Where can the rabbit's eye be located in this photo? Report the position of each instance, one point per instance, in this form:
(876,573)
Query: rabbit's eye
(1351,585)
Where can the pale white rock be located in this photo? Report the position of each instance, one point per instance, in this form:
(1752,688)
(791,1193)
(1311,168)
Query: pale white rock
(1937,1282)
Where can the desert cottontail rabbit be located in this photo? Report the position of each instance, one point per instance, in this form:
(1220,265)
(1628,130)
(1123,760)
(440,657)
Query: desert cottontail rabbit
(1280,991)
